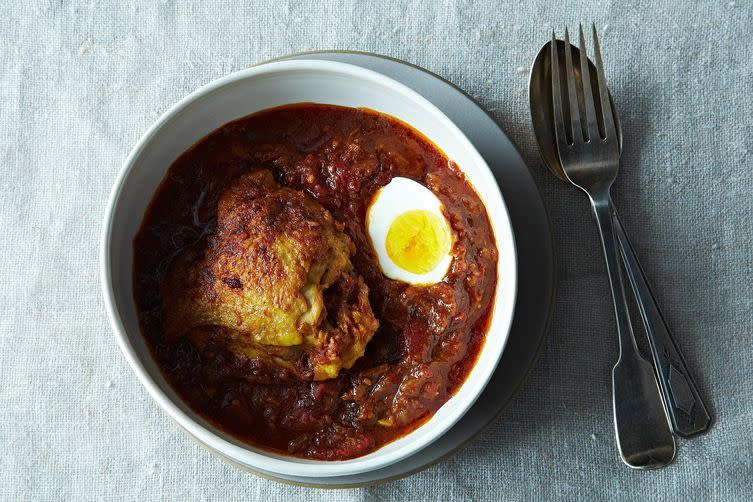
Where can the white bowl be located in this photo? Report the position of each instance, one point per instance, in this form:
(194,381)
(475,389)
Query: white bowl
(244,93)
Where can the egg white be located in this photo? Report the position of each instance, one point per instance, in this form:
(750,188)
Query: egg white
(392,200)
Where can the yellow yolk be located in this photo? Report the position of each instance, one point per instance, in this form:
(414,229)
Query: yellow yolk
(418,240)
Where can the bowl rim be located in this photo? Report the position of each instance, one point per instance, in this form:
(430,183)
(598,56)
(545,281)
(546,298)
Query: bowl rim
(500,322)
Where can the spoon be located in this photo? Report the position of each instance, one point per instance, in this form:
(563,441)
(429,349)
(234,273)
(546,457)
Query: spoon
(687,412)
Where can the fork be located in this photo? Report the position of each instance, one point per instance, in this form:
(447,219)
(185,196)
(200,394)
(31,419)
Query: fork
(590,160)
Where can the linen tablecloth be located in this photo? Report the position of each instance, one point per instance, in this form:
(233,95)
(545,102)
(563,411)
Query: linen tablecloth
(81,81)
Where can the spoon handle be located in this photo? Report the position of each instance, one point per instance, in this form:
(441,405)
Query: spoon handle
(687,412)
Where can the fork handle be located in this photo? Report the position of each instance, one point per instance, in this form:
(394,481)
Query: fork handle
(687,412)
(644,437)
(604,221)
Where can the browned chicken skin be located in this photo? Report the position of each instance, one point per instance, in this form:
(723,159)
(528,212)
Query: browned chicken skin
(274,282)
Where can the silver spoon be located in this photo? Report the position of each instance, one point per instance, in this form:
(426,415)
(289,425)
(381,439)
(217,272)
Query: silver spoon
(687,412)
(585,136)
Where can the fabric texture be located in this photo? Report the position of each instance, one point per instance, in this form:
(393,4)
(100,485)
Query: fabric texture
(81,81)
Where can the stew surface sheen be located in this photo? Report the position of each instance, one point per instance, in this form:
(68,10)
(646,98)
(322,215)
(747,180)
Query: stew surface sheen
(429,336)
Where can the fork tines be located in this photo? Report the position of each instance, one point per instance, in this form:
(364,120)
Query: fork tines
(599,122)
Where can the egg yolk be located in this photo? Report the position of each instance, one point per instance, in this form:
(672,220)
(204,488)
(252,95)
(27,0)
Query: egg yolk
(418,240)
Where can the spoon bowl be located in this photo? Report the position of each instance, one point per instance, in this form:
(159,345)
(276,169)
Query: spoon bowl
(540,100)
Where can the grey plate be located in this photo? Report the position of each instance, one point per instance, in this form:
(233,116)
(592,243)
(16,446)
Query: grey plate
(536,274)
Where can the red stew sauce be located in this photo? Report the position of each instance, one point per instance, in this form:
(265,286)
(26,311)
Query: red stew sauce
(429,337)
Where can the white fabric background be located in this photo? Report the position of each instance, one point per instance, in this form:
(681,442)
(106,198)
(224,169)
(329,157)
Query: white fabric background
(81,81)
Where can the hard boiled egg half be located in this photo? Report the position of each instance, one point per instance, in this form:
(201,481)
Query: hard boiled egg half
(409,232)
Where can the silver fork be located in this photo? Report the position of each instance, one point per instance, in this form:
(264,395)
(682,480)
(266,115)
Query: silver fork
(590,161)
